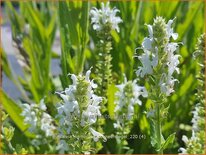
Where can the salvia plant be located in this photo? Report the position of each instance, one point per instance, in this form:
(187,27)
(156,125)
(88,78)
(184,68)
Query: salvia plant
(72,129)
(159,63)
(196,143)
(127,96)
(99,111)
(77,114)
(40,123)
(103,21)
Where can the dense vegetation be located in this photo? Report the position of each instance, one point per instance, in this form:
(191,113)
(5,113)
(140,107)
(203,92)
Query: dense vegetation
(111,52)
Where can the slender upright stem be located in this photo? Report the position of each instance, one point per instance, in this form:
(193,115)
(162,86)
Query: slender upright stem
(159,131)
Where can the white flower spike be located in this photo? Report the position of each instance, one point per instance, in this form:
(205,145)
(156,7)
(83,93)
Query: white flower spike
(105,17)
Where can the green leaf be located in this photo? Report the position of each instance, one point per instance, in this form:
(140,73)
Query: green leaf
(14,112)
(84,22)
(17,21)
(66,60)
(111,97)
(189,18)
(34,20)
(72,17)
(83,35)
(51,29)
(153,134)
(5,64)
(167,142)
(186,85)
(10,74)
(130,151)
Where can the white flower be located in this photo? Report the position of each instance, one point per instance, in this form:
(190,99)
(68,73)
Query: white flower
(42,105)
(195,143)
(74,79)
(167,84)
(30,116)
(92,112)
(104,16)
(79,107)
(117,125)
(37,118)
(151,57)
(97,135)
(170,32)
(46,125)
(150,31)
(147,63)
(172,58)
(155,58)
(184,139)
(147,43)
(197,118)
(183,150)
(167,81)
(91,86)
(126,97)
(69,104)
(66,112)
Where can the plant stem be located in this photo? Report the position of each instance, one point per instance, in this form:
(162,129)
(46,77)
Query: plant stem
(159,131)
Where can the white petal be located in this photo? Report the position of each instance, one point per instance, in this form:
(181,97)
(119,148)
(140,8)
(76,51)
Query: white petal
(74,79)
(139,72)
(42,106)
(182,150)
(97,135)
(150,30)
(88,75)
(64,97)
(174,36)
(184,139)
(147,44)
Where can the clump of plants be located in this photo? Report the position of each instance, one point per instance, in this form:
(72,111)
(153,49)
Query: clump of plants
(107,91)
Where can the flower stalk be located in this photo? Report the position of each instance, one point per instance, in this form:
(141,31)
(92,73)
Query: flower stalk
(159,130)
(40,123)
(159,62)
(77,114)
(196,143)
(127,97)
(104,20)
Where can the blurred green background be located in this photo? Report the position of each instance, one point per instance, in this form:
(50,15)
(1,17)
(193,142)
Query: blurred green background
(68,23)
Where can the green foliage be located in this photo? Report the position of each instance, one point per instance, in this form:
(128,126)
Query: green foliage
(34,28)
(13,110)
(73,21)
(34,38)
(7,134)
(167,142)
(196,144)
